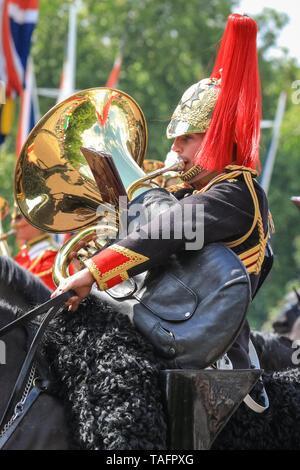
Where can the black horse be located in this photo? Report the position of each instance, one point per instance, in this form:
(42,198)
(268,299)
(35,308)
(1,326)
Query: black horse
(288,316)
(275,352)
(105,392)
(277,349)
(52,433)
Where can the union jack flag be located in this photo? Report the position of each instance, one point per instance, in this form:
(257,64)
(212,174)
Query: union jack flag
(17,21)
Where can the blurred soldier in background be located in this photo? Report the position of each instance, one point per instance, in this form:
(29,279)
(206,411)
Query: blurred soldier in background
(37,249)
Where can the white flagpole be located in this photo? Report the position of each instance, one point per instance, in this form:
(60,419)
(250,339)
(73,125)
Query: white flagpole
(69,68)
(270,159)
(35,98)
(71,51)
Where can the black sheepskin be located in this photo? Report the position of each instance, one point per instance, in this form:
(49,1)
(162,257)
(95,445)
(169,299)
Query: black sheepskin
(110,384)
(277,428)
(109,380)
(107,375)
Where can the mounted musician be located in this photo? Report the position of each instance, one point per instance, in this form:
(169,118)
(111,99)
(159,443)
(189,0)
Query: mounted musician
(187,294)
(216,128)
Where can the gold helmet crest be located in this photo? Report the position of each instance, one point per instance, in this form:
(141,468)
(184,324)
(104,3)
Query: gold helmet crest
(193,113)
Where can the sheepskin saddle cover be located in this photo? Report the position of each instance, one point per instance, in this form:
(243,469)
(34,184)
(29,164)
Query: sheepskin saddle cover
(108,378)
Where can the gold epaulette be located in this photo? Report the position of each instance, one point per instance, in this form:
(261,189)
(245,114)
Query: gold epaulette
(254,257)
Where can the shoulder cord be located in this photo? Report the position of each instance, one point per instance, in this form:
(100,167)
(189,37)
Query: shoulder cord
(35,262)
(257,220)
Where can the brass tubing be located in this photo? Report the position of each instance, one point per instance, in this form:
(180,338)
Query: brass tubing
(145,181)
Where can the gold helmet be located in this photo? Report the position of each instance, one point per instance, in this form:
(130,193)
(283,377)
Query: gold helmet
(193,113)
(228,104)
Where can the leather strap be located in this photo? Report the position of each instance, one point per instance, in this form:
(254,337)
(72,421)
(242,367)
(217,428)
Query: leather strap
(59,300)
(248,400)
(52,307)
(32,397)
(254,406)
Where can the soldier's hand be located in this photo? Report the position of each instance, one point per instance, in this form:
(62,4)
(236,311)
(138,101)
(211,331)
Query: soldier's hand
(81,283)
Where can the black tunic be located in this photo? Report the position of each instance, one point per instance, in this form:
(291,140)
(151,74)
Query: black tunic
(228,215)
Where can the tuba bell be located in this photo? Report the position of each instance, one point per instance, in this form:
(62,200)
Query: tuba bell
(76,162)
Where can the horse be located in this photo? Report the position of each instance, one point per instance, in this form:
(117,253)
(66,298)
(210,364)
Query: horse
(105,391)
(24,290)
(288,315)
(275,352)
(44,426)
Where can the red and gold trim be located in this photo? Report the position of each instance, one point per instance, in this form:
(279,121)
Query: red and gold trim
(110,266)
(44,273)
(175,187)
(36,261)
(252,258)
(249,258)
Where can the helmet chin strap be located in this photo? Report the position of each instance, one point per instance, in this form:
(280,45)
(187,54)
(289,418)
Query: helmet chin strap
(191,173)
(196,169)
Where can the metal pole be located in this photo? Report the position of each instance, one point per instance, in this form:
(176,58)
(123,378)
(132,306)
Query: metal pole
(71,49)
(67,86)
(269,164)
(35,98)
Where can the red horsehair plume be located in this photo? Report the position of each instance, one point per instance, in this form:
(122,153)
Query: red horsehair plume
(237,113)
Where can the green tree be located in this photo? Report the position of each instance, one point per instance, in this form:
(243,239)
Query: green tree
(168,45)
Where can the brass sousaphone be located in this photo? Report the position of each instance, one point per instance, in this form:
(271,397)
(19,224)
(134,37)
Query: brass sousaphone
(65,178)
(64,174)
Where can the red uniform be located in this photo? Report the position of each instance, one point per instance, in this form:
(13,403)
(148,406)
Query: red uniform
(37,257)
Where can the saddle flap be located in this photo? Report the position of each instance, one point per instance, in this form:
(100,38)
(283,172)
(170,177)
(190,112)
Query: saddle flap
(211,289)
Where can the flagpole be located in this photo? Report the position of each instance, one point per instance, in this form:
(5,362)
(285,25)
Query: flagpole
(71,48)
(35,98)
(270,159)
(68,76)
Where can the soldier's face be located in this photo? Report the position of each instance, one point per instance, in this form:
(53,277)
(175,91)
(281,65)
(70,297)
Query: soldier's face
(187,146)
(24,230)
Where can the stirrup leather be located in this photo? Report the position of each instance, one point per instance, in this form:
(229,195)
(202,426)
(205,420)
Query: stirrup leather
(248,400)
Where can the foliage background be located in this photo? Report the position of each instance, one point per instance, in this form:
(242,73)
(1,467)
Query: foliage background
(167,46)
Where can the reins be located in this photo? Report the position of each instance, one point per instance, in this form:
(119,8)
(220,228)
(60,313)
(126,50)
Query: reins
(18,410)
